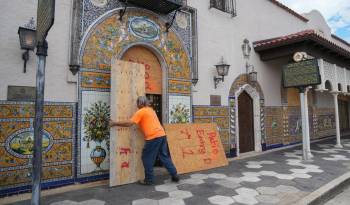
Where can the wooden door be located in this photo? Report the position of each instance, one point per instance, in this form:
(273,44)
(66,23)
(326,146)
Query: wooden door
(246,123)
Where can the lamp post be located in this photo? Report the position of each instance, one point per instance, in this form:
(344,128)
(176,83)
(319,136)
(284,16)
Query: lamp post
(222,70)
(45,19)
(27,39)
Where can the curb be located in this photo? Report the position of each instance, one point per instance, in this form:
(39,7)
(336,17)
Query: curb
(327,191)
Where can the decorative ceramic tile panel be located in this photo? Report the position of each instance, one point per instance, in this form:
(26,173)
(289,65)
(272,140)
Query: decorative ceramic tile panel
(180,109)
(215,114)
(181,87)
(93,153)
(23,110)
(94,9)
(325,122)
(283,124)
(202,120)
(95,80)
(210,111)
(222,122)
(16,142)
(111,36)
(273,124)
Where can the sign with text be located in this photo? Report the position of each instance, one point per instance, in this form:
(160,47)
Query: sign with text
(20,93)
(301,74)
(195,147)
(126,143)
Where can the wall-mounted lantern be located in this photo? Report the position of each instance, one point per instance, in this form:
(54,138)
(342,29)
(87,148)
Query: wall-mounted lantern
(27,39)
(222,69)
(194,81)
(246,50)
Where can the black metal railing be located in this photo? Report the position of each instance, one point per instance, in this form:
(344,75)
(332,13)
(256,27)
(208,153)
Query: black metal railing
(228,6)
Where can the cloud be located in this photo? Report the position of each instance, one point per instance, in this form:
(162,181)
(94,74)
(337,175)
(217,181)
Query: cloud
(336,12)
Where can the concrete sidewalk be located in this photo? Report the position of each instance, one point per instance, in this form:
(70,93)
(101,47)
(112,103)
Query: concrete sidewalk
(279,177)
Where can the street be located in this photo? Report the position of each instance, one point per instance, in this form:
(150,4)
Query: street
(343,198)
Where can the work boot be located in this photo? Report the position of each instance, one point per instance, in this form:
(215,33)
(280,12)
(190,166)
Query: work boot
(175,178)
(147,183)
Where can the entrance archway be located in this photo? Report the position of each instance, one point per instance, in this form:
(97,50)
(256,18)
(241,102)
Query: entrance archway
(251,97)
(246,123)
(153,74)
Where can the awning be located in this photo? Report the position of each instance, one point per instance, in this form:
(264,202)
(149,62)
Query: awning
(308,41)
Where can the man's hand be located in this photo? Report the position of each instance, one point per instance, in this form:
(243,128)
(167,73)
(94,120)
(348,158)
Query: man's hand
(121,123)
(112,123)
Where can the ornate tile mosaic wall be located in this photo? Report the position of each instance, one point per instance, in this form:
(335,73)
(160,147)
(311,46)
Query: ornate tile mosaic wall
(93,9)
(324,122)
(109,38)
(16,143)
(283,124)
(274,125)
(218,115)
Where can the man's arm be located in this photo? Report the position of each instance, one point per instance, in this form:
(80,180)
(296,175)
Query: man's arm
(126,123)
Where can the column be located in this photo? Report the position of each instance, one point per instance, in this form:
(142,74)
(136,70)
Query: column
(304,119)
(307,126)
(337,124)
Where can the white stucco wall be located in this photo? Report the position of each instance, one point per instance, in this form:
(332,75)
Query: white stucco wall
(318,23)
(16,13)
(218,35)
(221,35)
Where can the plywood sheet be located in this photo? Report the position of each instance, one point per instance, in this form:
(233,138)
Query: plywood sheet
(195,147)
(127,83)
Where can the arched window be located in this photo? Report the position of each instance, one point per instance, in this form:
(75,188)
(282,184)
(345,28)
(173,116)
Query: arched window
(328,85)
(339,87)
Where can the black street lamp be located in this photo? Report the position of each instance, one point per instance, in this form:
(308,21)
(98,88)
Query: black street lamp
(222,69)
(27,39)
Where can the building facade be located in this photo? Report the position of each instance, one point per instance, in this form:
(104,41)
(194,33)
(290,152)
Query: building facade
(180,61)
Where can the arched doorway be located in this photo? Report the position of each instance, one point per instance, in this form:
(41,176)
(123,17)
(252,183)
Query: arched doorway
(153,74)
(246,123)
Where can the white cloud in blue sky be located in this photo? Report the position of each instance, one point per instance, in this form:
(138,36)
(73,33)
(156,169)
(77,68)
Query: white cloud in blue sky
(336,12)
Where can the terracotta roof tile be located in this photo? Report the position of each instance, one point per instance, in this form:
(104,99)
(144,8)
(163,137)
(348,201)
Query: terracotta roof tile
(298,37)
(277,40)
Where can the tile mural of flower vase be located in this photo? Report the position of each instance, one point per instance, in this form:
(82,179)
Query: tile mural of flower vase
(179,114)
(96,123)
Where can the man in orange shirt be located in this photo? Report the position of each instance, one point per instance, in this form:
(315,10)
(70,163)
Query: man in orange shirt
(155,140)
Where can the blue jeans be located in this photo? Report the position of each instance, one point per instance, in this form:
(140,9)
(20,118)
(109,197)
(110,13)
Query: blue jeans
(152,149)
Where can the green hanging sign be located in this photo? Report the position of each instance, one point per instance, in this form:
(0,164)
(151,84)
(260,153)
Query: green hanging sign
(301,74)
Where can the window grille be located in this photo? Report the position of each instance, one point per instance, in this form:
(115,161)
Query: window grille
(228,6)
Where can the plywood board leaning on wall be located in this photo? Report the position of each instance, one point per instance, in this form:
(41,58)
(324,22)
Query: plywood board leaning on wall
(195,147)
(127,83)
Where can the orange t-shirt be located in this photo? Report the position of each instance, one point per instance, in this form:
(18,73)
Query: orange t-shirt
(148,121)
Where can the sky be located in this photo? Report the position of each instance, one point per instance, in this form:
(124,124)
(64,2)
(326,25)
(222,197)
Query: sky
(336,13)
